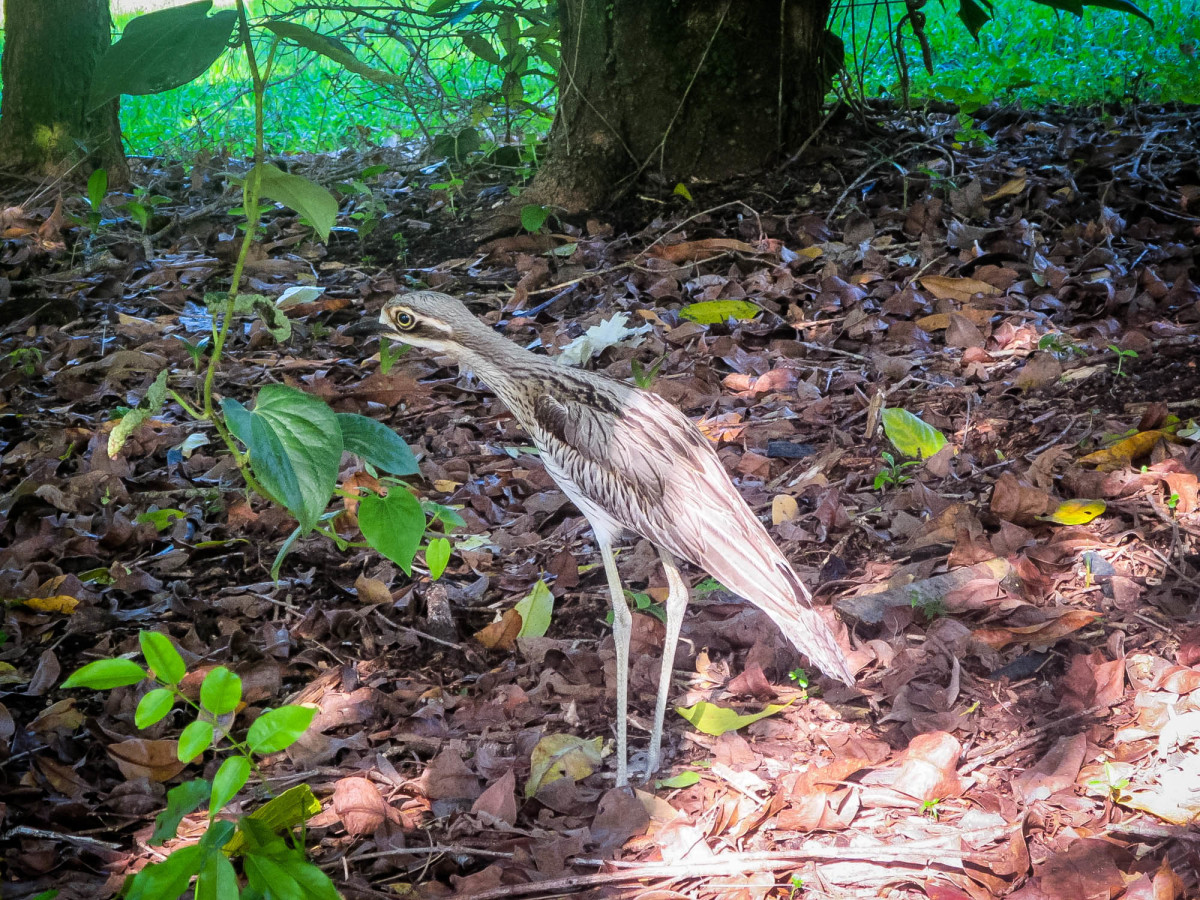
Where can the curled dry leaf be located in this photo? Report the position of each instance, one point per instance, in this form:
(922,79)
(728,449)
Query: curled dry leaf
(928,768)
(156,760)
(359,805)
(1042,635)
(1018,502)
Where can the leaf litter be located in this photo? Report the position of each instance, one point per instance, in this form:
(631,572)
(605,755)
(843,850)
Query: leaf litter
(1019,604)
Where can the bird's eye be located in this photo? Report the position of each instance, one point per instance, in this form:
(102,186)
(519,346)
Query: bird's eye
(406,321)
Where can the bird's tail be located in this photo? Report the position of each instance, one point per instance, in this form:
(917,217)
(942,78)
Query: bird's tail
(771,584)
(808,632)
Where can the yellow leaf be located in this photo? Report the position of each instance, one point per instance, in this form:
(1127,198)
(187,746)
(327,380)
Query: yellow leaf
(1010,188)
(10,675)
(558,756)
(910,435)
(682,191)
(1125,451)
(1075,512)
(445,485)
(291,808)
(784,508)
(62,603)
(716,720)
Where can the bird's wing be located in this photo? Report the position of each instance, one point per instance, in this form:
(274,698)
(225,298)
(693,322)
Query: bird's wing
(642,462)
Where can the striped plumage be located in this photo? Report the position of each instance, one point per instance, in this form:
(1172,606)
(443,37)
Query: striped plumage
(629,460)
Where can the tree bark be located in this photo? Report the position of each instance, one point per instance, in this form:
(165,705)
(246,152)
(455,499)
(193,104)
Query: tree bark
(680,89)
(50,51)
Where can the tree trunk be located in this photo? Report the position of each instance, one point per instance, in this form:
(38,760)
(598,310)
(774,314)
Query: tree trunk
(50,51)
(680,89)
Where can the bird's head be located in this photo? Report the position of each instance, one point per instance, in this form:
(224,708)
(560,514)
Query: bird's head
(431,320)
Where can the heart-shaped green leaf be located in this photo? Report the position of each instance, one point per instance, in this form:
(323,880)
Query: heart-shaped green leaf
(295,444)
(377,444)
(393,525)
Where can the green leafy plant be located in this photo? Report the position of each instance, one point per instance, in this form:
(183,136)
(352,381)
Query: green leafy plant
(1059,345)
(642,602)
(930,608)
(27,359)
(799,677)
(533,217)
(450,188)
(797,885)
(893,473)
(929,808)
(272,866)
(1122,355)
(289,445)
(141,206)
(1112,785)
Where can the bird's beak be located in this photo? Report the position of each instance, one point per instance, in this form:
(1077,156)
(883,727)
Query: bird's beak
(366,327)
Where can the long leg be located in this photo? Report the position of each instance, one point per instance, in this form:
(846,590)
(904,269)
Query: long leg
(677,599)
(622,629)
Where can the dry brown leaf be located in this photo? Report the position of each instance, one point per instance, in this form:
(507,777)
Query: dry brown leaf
(961,290)
(1055,771)
(1010,188)
(1045,634)
(359,805)
(156,760)
(689,251)
(501,634)
(1017,502)
(784,508)
(499,801)
(1040,371)
(928,768)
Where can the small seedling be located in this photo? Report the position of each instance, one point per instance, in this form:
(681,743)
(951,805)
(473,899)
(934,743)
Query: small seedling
(196,351)
(1110,785)
(893,474)
(932,608)
(388,354)
(643,378)
(1172,502)
(799,677)
(642,602)
(26,359)
(1122,355)
(1059,345)
(930,808)
(797,886)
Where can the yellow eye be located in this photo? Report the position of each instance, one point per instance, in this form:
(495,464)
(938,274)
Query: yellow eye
(406,321)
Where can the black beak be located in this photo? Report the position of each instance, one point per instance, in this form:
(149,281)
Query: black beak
(366,327)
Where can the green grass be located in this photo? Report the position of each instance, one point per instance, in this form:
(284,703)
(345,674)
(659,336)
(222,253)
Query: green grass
(1038,56)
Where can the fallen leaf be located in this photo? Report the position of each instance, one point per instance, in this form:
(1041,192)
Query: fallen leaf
(558,756)
(359,805)
(714,720)
(1075,512)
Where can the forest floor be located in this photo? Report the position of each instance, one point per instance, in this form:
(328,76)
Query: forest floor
(1026,718)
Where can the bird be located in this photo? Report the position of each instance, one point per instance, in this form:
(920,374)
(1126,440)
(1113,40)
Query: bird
(630,461)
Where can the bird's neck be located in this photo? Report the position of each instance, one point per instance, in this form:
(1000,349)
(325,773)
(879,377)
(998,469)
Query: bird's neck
(496,360)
